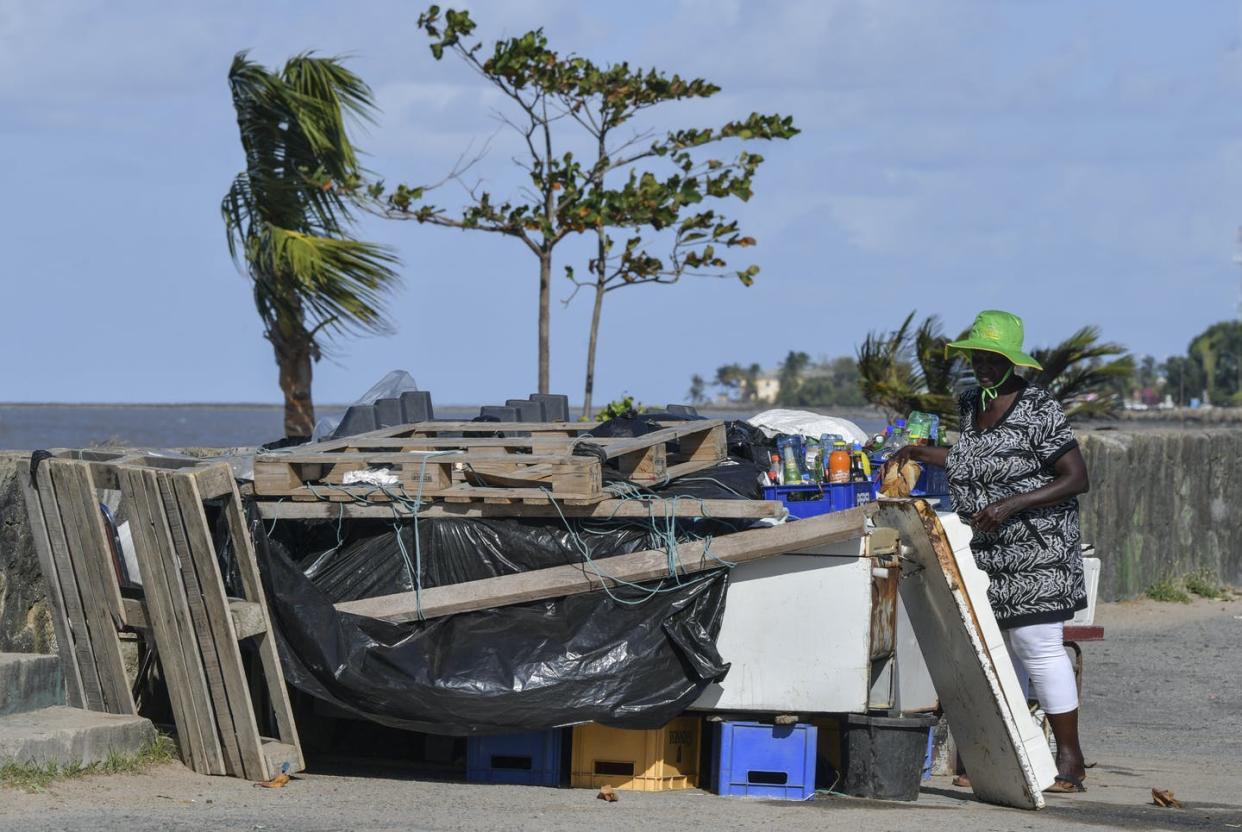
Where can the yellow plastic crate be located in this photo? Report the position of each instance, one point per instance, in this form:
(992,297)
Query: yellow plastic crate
(661,759)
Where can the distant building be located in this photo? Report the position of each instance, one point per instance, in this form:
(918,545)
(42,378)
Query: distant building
(767,388)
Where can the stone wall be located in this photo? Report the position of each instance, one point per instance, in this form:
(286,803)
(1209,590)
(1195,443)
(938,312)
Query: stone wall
(25,625)
(1162,503)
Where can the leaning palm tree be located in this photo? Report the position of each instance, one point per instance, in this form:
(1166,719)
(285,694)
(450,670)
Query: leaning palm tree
(1084,374)
(909,369)
(287,220)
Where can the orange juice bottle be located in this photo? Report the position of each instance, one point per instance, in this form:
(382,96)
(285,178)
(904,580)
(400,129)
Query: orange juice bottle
(839,464)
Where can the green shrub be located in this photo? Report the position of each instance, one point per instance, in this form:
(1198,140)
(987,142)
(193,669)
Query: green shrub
(1205,585)
(1168,590)
(618,408)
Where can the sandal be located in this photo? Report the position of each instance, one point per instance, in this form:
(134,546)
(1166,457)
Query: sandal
(1064,784)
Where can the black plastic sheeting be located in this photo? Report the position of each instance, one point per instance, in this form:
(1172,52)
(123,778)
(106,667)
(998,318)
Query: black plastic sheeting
(529,667)
(635,659)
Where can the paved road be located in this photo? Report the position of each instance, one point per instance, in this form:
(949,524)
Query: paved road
(1163,707)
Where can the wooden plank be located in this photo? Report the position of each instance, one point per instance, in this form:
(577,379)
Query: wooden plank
(136,616)
(96,577)
(274,676)
(200,690)
(241,727)
(544,443)
(460,492)
(83,651)
(163,625)
(607,509)
(434,428)
(55,596)
(197,602)
(166,598)
(644,465)
(104,464)
(681,469)
(277,754)
(247,617)
(1005,767)
(572,579)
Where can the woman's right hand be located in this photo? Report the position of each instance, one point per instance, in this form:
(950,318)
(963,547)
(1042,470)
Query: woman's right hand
(898,459)
(904,453)
(922,454)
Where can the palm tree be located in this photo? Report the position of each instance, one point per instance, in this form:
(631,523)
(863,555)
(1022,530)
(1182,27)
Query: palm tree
(1084,374)
(908,369)
(286,216)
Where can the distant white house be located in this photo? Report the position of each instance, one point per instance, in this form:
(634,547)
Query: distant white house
(767,388)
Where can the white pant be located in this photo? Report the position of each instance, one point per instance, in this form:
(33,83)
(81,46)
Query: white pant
(1038,654)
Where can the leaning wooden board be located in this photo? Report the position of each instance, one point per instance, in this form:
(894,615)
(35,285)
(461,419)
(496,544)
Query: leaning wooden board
(1008,765)
(810,536)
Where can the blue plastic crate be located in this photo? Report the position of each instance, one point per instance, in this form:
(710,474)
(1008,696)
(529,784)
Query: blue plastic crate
(770,761)
(933,482)
(532,759)
(815,499)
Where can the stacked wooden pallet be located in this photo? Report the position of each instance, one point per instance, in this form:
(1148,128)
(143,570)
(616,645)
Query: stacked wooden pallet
(182,610)
(490,462)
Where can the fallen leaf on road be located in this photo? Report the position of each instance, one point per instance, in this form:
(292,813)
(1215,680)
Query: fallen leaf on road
(1165,798)
(607,793)
(277,782)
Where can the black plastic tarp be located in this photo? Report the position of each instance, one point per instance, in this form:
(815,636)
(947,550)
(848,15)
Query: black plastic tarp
(634,661)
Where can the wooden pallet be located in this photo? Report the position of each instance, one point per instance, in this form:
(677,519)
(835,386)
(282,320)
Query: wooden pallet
(320,476)
(83,592)
(498,469)
(197,628)
(183,612)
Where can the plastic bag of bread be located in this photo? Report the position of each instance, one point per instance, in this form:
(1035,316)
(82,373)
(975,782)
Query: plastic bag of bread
(899,480)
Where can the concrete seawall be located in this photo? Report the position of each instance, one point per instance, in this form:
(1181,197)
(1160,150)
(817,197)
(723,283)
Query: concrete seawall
(1162,503)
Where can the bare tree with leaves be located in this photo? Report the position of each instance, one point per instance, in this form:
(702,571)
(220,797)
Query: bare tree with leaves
(287,218)
(566,101)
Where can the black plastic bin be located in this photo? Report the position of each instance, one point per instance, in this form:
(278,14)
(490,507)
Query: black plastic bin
(883,755)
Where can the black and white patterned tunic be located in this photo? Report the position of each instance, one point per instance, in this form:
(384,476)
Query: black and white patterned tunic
(1034,560)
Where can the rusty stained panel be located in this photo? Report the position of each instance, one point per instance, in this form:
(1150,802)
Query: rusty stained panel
(884,579)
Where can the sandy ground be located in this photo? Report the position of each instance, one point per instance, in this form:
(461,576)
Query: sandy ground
(1162,707)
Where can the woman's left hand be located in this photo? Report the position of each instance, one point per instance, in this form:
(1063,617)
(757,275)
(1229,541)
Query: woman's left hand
(994,516)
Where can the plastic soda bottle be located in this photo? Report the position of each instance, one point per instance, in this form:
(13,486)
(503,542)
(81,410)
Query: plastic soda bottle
(792,475)
(813,466)
(919,430)
(839,464)
(864,461)
(897,440)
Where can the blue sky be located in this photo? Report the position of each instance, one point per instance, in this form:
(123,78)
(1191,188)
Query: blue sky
(1073,162)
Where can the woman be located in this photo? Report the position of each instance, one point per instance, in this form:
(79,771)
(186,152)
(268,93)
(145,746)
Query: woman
(1014,476)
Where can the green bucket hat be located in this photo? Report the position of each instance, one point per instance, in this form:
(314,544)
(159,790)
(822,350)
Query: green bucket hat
(998,332)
